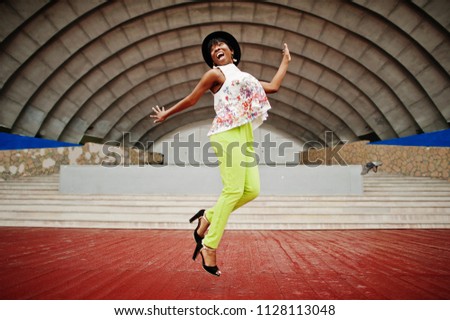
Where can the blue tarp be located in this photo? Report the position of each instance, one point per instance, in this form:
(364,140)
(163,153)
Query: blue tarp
(15,142)
(432,139)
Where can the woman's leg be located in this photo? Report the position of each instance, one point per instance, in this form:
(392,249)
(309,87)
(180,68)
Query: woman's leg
(252,182)
(227,147)
(240,178)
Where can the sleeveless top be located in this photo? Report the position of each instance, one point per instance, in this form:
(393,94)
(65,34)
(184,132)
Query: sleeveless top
(241,99)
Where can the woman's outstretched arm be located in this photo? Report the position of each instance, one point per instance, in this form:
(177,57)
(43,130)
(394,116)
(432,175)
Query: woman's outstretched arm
(206,82)
(274,85)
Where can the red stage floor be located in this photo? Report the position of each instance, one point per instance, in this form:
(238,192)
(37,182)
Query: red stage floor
(38,263)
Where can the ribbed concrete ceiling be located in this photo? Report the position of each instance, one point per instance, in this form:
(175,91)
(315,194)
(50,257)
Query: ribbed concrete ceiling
(77,70)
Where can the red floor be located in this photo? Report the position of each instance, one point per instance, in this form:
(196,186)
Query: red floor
(37,263)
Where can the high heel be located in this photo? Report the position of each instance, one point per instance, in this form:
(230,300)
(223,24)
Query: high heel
(197,215)
(198,247)
(198,239)
(214,270)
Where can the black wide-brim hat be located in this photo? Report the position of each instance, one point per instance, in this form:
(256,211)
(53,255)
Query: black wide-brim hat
(229,39)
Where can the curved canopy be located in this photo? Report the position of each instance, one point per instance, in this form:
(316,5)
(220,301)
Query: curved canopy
(92,70)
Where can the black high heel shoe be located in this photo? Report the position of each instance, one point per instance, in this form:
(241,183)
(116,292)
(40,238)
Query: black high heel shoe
(214,270)
(198,239)
(197,215)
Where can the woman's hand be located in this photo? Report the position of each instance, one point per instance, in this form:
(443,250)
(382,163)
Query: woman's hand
(286,53)
(160,114)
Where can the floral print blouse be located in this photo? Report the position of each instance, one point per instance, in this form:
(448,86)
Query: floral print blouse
(241,99)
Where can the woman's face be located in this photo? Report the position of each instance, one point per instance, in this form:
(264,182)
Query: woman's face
(221,54)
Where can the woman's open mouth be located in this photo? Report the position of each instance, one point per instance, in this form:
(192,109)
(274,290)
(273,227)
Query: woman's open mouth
(220,55)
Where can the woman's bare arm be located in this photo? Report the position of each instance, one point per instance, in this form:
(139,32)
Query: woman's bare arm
(209,79)
(274,85)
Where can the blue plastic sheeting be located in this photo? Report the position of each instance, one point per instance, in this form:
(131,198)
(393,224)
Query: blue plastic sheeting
(432,139)
(15,142)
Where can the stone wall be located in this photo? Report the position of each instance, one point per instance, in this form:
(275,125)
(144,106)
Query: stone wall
(36,162)
(410,161)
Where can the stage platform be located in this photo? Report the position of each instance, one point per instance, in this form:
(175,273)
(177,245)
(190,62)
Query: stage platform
(204,180)
(42,263)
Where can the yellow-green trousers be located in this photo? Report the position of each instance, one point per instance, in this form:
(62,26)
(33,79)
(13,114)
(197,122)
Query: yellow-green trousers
(240,178)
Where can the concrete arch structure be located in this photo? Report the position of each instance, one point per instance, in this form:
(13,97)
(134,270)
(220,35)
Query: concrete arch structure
(80,70)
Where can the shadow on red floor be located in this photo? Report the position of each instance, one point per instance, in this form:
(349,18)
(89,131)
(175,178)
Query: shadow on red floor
(39,263)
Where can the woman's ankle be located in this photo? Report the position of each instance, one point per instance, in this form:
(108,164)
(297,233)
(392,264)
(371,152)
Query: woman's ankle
(204,224)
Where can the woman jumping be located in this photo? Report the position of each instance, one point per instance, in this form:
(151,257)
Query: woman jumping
(241,106)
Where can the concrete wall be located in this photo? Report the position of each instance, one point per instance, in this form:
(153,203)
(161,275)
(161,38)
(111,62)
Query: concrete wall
(409,161)
(203,180)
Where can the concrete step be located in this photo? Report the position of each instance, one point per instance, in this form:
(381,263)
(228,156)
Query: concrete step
(270,222)
(387,202)
(230,226)
(185,210)
(262,202)
(49,199)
